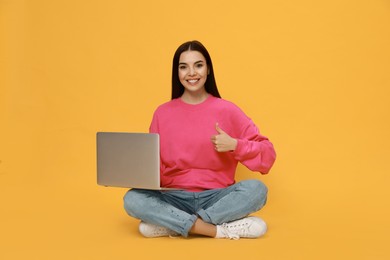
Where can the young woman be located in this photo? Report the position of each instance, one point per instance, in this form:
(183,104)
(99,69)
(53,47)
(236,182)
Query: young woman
(202,139)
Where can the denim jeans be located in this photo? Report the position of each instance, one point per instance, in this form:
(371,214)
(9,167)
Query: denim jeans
(178,210)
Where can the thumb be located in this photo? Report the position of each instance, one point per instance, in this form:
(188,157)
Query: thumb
(219,130)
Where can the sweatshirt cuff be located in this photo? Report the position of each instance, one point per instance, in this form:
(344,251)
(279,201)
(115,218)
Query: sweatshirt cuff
(240,149)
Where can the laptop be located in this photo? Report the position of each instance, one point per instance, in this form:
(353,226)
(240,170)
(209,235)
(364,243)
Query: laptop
(128,160)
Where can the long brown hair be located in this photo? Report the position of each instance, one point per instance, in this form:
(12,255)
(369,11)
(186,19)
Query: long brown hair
(210,84)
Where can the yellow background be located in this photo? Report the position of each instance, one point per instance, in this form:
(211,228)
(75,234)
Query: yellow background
(313,75)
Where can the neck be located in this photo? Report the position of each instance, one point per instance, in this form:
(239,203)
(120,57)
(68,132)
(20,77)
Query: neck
(194,98)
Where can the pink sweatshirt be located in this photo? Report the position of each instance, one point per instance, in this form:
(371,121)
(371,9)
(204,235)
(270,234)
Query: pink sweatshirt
(188,158)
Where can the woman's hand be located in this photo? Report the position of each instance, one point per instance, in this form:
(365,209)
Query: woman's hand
(222,141)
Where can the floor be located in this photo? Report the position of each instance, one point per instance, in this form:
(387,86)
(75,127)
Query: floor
(68,216)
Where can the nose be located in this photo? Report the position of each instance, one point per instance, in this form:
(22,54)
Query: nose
(192,72)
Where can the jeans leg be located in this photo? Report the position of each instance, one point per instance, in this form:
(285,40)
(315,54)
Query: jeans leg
(149,206)
(237,201)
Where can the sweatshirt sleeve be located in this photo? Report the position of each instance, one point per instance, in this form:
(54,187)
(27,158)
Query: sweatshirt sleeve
(153,128)
(254,150)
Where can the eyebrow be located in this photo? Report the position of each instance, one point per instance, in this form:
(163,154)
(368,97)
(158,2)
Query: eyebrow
(183,63)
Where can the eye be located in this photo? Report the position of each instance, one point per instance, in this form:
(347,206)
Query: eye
(182,67)
(199,65)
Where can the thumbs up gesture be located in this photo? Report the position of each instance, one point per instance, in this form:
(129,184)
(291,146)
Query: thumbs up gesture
(222,141)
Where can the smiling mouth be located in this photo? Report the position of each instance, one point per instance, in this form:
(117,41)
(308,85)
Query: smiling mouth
(192,81)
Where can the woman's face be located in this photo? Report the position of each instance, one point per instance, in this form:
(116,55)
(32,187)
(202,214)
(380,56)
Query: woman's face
(193,71)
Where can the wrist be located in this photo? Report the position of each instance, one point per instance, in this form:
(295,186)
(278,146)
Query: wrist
(234,144)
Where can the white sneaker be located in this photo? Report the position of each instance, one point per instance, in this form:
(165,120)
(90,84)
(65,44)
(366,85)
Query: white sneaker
(249,227)
(151,230)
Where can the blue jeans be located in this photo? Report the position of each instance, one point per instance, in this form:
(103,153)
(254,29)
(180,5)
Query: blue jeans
(178,210)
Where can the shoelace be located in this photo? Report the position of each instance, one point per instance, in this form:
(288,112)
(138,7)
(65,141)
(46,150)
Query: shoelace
(160,231)
(155,231)
(234,231)
(227,232)
(164,231)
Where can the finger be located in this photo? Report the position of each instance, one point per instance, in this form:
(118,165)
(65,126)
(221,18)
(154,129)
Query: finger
(219,130)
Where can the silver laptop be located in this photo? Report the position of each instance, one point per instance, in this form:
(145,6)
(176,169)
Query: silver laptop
(129,160)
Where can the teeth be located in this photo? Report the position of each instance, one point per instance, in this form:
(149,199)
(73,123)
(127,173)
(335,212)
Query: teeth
(192,80)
